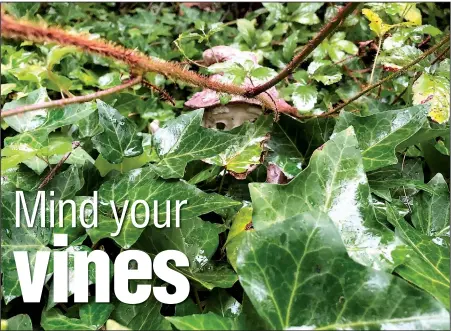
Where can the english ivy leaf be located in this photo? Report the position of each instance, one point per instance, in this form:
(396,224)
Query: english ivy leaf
(22,178)
(304,97)
(223,304)
(89,126)
(96,314)
(54,320)
(247,148)
(433,90)
(67,183)
(426,133)
(425,261)
(22,147)
(284,145)
(208,321)
(128,235)
(324,71)
(71,270)
(73,232)
(292,269)
(129,163)
(30,120)
(22,238)
(143,316)
(431,210)
(57,53)
(208,172)
(18,322)
(187,307)
(183,140)
(120,137)
(379,134)
(70,114)
(335,183)
(197,239)
(144,184)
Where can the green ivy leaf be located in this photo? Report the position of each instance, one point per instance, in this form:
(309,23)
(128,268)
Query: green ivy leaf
(297,273)
(144,184)
(143,316)
(120,136)
(223,304)
(183,140)
(425,262)
(128,235)
(209,321)
(96,314)
(54,320)
(198,240)
(379,134)
(30,120)
(70,114)
(431,209)
(247,148)
(285,145)
(335,183)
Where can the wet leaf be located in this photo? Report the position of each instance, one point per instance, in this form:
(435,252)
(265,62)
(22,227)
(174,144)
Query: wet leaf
(297,274)
(120,136)
(183,140)
(198,240)
(30,120)
(431,209)
(425,260)
(379,134)
(335,183)
(247,148)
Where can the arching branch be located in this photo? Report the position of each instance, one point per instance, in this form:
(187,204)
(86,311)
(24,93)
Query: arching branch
(306,51)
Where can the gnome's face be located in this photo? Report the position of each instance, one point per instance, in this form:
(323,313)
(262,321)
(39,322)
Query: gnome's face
(227,117)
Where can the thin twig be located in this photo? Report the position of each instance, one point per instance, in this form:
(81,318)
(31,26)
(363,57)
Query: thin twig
(68,101)
(306,51)
(386,79)
(379,46)
(55,169)
(196,296)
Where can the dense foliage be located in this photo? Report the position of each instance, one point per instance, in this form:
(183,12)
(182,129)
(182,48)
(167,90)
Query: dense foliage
(329,222)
